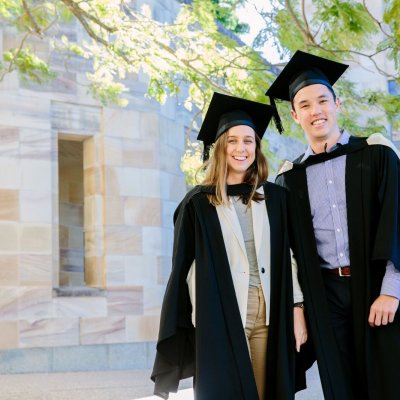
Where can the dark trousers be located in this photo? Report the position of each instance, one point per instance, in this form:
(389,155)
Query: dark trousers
(338,291)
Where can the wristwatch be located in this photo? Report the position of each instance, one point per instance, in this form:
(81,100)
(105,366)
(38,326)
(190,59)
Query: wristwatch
(299,304)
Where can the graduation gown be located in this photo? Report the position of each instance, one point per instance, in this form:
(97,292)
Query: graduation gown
(216,352)
(372,197)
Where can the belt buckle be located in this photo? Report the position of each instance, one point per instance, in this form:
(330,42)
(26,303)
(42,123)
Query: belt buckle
(341,274)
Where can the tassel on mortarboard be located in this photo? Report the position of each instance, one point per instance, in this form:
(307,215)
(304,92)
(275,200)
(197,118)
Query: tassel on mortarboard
(206,152)
(277,118)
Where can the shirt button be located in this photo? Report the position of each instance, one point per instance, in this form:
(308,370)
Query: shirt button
(334,205)
(263,270)
(338,229)
(330,181)
(341,254)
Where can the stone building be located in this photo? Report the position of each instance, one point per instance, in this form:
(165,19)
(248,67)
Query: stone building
(86,200)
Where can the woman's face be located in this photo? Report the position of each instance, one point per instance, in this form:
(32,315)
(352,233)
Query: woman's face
(240,152)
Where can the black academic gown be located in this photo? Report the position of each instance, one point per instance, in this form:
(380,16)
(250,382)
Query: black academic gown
(215,352)
(372,197)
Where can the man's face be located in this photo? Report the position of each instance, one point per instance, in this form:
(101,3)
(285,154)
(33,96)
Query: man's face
(315,110)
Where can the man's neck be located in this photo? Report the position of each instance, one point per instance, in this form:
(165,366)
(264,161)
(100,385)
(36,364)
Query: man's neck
(325,144)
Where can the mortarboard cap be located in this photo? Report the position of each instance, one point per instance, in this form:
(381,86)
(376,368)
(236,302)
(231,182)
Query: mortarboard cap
(302,70)
(225,112)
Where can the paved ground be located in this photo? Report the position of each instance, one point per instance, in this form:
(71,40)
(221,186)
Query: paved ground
(115,385)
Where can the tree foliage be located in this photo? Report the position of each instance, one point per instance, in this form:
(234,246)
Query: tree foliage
(346,31)
(197,53)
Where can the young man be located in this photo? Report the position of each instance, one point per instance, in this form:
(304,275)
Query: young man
(345,225)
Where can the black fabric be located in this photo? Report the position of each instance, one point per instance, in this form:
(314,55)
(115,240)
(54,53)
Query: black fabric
(372,198)
(226,111)
(215,352)
(304,67)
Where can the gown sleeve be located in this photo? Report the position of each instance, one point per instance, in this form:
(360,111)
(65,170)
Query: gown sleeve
(387,239)
(175,356)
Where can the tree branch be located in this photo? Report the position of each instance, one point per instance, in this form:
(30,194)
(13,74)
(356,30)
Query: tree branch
(30,17)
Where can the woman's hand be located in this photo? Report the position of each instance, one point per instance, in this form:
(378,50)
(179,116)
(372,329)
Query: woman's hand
(300,327)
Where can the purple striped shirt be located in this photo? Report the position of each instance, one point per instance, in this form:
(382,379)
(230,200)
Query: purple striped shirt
(326,189)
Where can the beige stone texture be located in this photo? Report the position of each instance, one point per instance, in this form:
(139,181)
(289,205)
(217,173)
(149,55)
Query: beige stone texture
(142,154)
(122,123)
(35,238)
(142,211)
(36,206)
(9,173)
(9,142)
(140,182)
(35,303)
(67,307)
(123,240)
(76,191)
(75,238)
(9,267)
(142,328)
(63,236)
(95,272)
(49,332)
(9,204)
(125,300)
(112,181)
(90,153)
(93,211)
(35,144)
(168,210)
(177,187)
(102,330)
(9,237)
(115,270)
(114,149)
(173,134)
(153,241)
(36,175)
(141,270)
(94,243)
(78,118)
(152,299)
(115,207)
(170,160)
(164,266)
(33,111)
(9,302)
(36,269)
(71,214)
(9,334)
(149,126)
(92,181)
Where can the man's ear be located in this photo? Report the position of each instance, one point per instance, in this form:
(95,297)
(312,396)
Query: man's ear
(294,116)
(338,104)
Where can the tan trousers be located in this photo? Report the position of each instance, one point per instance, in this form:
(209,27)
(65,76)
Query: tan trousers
(257,334)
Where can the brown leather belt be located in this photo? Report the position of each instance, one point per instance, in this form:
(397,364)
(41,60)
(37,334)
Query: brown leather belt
(341,271)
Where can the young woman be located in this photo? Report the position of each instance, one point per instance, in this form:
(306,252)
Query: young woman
(227,315)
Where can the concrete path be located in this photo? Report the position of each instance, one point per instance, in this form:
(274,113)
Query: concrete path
(100,385)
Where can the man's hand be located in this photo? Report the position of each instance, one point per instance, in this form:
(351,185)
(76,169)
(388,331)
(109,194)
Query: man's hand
(383,310)
(300,327)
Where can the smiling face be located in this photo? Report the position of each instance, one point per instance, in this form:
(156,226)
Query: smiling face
(315,109)
(240,152)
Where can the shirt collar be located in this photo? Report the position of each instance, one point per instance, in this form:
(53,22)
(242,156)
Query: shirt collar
(343,139)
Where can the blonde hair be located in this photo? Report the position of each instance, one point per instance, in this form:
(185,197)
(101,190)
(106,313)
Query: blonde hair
(216,168)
